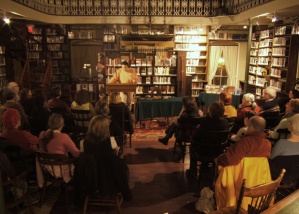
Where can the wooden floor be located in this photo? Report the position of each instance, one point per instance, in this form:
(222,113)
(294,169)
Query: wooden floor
(158,183)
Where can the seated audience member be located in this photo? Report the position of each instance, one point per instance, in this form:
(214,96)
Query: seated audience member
(26,100)
(253,144)
(11,102)
(283,102)
(15,88)
(291,110)
(214,121)
(23,139)
(102,108)
(53,141)
(243,130)
(56,103)
(189,110)
(270,106)
(229,110)
(248,104)
(82,102)
(112,172)
(289,150)
(39,115)
(117,105)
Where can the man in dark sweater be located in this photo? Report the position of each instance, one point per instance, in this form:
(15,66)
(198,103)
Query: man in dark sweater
(253,144)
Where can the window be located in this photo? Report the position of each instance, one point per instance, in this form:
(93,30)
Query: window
(220,77)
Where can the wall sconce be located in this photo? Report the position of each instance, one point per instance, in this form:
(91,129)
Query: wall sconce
(245,26)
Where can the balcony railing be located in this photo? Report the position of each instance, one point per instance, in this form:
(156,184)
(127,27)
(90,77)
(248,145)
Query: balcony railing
(185,8)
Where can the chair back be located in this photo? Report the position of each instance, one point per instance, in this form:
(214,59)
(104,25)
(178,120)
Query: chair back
(56,166)
(81,118)
(121,115)
(283,133)
(262,195)
(185,130)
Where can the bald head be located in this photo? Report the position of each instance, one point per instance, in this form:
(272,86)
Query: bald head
(256,123)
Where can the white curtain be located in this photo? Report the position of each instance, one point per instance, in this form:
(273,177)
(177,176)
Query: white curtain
(230,54)
(215,53)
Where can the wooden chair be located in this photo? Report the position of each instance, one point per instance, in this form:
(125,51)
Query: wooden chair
(81,120)
(56,169)
(283,133)
(261,197)
(11,202)
(183,135)
(115,201)
(208,146)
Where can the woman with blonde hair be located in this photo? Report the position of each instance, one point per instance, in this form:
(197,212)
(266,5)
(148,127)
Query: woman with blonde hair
(111,170)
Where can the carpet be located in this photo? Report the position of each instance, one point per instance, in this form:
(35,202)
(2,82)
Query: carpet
(150,130)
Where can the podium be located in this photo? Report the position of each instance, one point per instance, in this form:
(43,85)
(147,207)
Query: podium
(123,87)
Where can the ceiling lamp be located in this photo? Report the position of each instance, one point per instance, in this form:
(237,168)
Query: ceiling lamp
(6,20)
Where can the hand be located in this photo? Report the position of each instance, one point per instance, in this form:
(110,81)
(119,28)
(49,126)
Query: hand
(200,112)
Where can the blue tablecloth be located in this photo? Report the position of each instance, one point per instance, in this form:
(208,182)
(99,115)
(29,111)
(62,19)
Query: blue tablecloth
(149,109)
(205,99)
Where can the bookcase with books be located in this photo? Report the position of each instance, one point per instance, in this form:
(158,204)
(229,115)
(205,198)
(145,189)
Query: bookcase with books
(48,41)
(156,71)
(284,59)
(3,79)
(194,42)
(260,59)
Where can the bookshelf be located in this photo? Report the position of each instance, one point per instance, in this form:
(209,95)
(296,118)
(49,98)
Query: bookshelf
(3,79)
(193,41)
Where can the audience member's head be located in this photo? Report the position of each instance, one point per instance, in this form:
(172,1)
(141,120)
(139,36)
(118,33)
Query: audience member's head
(115,98)
(82,97)
(56,122)
(189,104)
(55,92)
(11,118)
(13,86)
(226,98)
(294,125)
(102,107)
(294,94)
(98,128)
(25,94)
(216,110)
(256,123)
(293,105)
(269,93)
(9,95)
(39,102)
(248,99)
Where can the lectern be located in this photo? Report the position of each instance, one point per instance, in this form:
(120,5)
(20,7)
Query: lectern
(123,87)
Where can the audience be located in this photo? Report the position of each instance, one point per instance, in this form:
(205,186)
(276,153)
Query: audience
(248,104)
(292,109)
(26,100)
(189,110)
(229,110)
(53,141)
(82,102)
(283,102)
(11,102)
(253,144)
(243,130)
(289,150)
(15,88)
(112,172)
(102,108)
(115,106)
(270,106)
(23,139)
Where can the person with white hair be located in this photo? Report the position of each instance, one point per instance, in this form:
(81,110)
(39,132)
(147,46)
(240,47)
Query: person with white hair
(16,88)
(270,106)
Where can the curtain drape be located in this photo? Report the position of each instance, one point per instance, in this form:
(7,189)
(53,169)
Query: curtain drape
(230,61)
(215,53)
(84,55)
(230,54)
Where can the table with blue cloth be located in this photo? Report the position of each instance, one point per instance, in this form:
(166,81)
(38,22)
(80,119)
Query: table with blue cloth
(205,99)
(153,108)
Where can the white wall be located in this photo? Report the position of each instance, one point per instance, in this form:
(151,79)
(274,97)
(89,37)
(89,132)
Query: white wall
(242,61)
